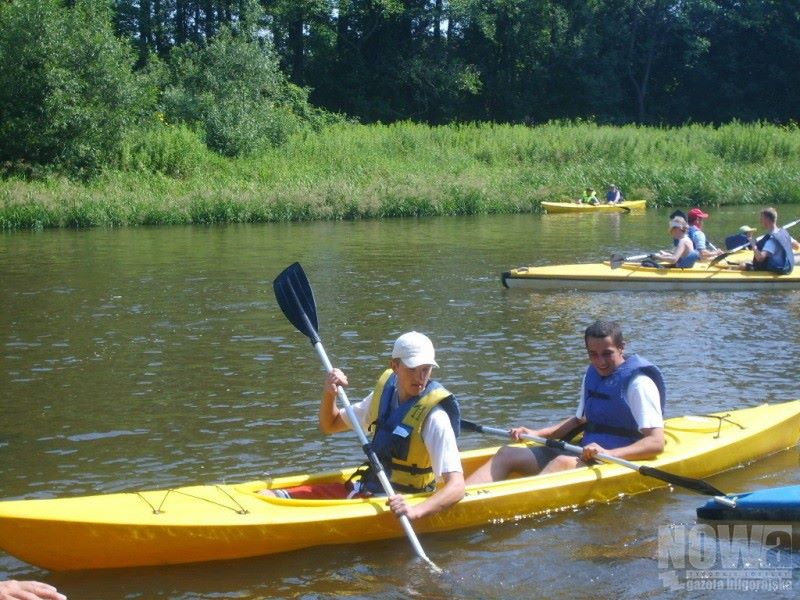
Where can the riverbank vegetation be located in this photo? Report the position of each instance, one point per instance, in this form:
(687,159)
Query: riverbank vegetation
(350,171)
(178,111)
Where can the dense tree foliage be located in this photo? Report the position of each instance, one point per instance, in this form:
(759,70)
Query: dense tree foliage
(243,74)
(232,89)
(67,88)
(72,97)
(657,61)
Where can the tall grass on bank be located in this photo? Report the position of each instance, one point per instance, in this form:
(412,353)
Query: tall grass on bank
(348,171)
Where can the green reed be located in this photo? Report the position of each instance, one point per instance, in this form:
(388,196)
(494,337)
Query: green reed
(351,171)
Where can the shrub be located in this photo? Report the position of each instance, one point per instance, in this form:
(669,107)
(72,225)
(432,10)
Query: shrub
(171,150)
(230,88)
(233,90)
(67,91)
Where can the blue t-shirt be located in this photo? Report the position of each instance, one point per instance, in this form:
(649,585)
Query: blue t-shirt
(698,238)
(774,248)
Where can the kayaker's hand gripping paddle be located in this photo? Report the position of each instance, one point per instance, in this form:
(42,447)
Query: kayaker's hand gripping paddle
(696,485)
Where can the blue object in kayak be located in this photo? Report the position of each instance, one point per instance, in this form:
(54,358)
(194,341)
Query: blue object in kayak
(772,504)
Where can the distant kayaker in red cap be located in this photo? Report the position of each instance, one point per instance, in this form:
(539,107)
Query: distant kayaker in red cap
(621,409)
(695,233)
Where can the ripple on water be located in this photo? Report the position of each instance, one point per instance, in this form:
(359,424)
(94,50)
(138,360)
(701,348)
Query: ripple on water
(170,364)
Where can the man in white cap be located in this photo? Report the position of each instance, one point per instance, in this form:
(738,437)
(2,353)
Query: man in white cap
(415,421)
(613,195)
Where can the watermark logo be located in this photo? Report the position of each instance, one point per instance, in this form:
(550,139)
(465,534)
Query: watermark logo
(740,557)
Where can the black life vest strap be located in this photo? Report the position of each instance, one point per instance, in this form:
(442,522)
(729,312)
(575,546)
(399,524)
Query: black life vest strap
(407,489)
(611,430)
(573,433)
(364,473)
(413,469)
(360,474)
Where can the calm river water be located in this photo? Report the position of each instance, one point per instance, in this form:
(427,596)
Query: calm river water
(148,358)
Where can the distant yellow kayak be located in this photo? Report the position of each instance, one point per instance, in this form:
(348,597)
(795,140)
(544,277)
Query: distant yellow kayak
(634,276)
(572,207)
(215,522)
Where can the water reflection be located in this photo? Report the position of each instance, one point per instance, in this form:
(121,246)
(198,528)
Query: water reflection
(149,358)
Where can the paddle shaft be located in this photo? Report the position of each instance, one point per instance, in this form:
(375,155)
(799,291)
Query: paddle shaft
(562,445)
(617,260)
(637,257)
(697,485)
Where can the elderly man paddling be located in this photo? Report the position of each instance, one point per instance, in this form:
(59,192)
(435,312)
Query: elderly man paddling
(775,250)
(695,232)
(621,408)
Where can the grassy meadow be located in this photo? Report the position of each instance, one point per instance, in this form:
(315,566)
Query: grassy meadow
(347,171)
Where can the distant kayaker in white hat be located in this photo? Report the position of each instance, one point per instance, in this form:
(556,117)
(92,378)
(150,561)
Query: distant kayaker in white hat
(621,411)
(415,421)
(683,254)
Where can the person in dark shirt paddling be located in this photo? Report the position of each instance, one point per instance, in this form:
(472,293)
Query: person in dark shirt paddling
(743,237)
(614,195)
(620,408)
(415,422)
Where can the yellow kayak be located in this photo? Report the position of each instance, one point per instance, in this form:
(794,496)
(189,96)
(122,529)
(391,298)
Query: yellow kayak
(213,522)
(634,276)
(572,207)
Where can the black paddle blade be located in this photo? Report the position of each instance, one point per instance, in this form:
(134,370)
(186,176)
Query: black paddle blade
(624,209)
(616,261)
(294,296)
(723,256)
(697,485)
(470,426)
(652,262)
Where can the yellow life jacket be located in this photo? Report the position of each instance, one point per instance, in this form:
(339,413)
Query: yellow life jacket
(398,435)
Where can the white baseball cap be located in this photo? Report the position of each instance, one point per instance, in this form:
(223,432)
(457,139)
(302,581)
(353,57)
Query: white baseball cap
(679,223)
(414,349)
